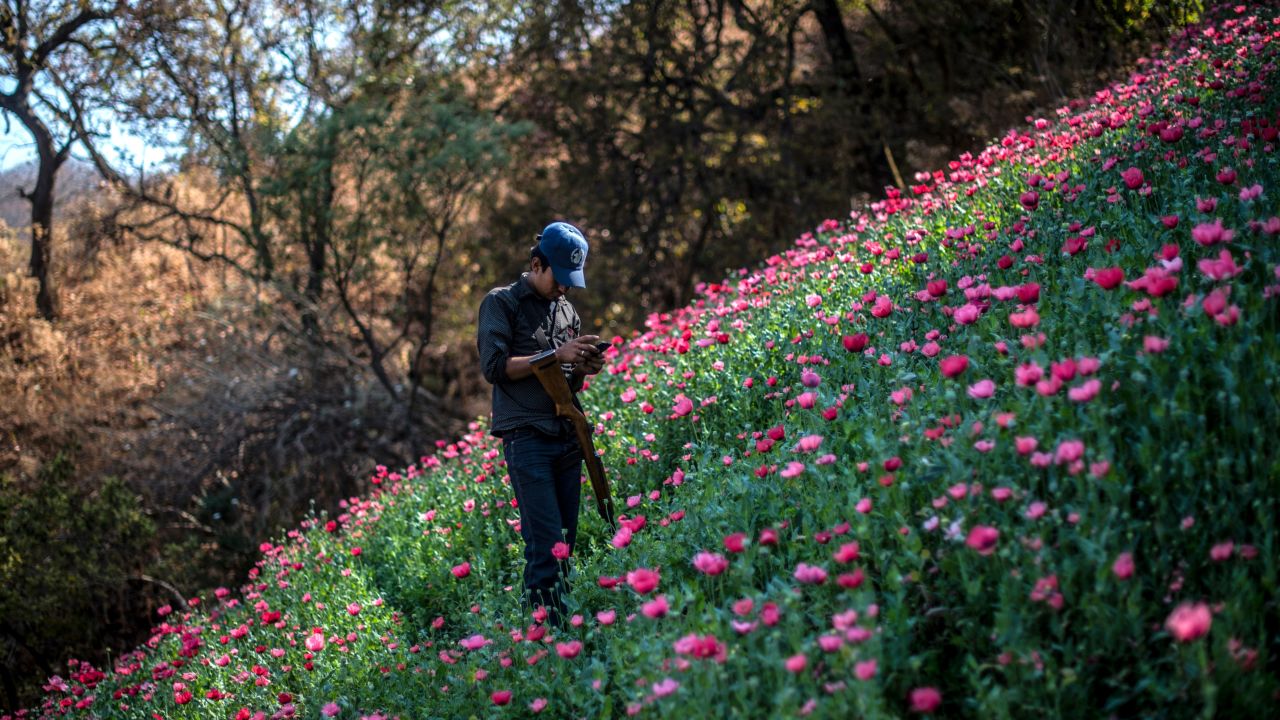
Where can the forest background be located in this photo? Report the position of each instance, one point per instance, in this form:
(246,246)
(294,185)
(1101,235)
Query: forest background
(197,348)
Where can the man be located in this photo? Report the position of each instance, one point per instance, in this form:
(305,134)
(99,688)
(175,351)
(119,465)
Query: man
(543,457)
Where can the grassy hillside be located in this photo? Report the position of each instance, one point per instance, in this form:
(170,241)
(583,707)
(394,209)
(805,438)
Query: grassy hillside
(1002,446)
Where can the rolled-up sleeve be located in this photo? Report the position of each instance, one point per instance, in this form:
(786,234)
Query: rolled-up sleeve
(493,339)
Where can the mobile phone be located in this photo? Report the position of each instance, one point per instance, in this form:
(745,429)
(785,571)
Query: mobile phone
(602,346)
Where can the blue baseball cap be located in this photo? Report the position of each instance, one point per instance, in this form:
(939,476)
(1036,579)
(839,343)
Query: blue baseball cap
(566,248)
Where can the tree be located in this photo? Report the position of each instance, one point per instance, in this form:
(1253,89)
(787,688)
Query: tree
(329,157)
(49,53)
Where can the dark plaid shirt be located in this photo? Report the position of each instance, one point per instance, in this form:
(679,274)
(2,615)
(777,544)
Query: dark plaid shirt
(516,322)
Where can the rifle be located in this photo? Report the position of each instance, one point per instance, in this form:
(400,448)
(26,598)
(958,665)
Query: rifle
(548,371)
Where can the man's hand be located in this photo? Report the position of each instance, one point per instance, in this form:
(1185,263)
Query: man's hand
(591,365)
(579,350)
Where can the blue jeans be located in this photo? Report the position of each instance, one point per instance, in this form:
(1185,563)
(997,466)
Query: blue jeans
(546,475)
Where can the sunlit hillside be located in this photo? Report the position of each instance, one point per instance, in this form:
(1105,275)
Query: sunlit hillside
(998,446)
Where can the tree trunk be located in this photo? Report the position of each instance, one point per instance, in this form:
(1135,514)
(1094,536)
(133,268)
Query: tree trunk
(317,245)
(41,199)
(864,98)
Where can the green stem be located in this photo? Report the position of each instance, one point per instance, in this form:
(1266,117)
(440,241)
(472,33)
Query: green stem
(1207,687)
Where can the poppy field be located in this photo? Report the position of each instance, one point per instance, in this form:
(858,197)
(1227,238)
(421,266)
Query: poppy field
(1003,444)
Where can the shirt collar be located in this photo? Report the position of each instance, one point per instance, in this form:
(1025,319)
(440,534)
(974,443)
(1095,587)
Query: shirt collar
(522,289)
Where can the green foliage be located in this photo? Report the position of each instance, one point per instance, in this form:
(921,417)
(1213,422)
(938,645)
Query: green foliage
(63,543)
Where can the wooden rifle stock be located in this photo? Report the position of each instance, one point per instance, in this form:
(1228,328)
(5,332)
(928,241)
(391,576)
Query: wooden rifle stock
(549,373)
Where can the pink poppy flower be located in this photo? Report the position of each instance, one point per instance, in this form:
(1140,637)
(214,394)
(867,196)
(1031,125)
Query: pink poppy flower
(474,642)
(807,400)
(622,538)
(966,314)
(1108,278)
(865,669)
(855,343)
(770,614)
(462,570)
(1123,567)
(846,554)
(606,617)
(656,607)
(500,697)
(983,539)
(736,542)
(1049,387)
(810,379)
(796,663)
(1222,551)
(569,650)
(1189,622)
(1155,281)
(982,389)
(560,551)
(1132,178)
(793,469)
(953,365)
(1068,451)
(1029,200)
(1222,267)
(1211,233)
(702,647)
(683,405)
(643,580)
(330,709)
(1229,316)
(807,574)
(1153,344)
(808,443)
(851,581)
(538,705)
(925,699)
(353,609)
(315,641)
(1025,445)
(1085,392)
(1028,374)
(665,687)
(1026,319)
(710,563)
